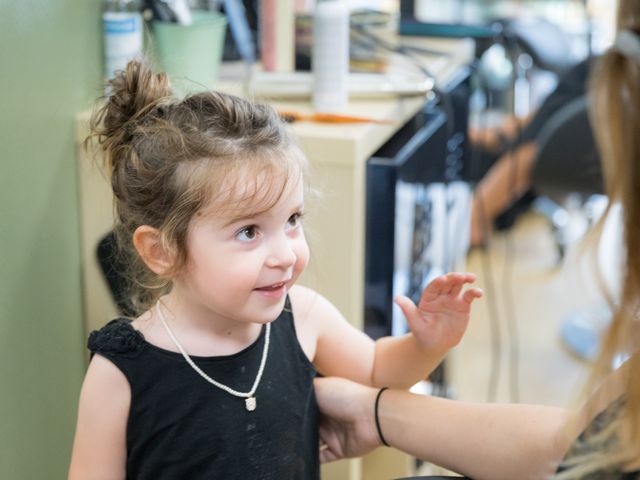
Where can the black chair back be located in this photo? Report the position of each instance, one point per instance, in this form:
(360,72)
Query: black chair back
(568,159)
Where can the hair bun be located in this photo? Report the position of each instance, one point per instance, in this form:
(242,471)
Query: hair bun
(133,92)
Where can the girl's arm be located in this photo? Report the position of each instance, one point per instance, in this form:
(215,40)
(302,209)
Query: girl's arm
(99,448)
(481,441)
(337,348)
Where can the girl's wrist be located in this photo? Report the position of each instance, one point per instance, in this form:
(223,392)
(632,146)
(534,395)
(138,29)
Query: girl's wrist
(430,349)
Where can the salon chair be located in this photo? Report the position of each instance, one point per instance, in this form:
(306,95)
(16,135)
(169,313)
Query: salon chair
(568,159)
(567,162)
(113,264)
(534,44)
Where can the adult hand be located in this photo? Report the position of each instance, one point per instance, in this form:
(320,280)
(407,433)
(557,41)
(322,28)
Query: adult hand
(347,422)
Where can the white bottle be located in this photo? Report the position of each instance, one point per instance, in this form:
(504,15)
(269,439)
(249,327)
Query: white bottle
(123,39)
(330,56)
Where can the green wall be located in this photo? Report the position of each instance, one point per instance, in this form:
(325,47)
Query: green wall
(50,69)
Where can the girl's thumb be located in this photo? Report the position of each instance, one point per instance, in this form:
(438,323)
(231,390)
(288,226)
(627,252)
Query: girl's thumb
(406,305)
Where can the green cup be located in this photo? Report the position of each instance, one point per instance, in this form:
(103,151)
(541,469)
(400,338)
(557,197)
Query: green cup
(191,55)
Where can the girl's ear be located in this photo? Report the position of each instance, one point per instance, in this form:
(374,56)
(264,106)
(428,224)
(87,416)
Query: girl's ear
(146,241)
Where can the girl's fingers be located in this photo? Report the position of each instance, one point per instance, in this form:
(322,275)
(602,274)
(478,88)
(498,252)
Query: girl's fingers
(469,277)
(472,294)
(457,288)
(453,282)
(449,284)
(462,280)
(433,289)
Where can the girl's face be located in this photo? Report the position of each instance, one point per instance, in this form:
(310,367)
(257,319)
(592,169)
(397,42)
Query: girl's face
(241,268)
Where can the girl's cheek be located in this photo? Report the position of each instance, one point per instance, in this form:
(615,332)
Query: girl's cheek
(302,257)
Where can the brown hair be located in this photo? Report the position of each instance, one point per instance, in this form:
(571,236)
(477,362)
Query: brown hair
(615,95)
(168,157)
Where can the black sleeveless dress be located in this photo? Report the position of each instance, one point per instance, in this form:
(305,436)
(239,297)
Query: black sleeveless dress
(182,427)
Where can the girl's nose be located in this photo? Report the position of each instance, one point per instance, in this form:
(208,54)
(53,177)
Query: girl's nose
(281,253)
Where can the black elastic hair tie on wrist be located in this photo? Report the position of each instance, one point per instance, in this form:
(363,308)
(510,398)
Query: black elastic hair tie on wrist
(384,442)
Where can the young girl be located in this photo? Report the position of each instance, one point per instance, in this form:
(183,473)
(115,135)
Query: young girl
(215,378)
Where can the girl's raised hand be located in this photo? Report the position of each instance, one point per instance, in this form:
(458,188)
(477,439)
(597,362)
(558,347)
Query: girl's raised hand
(442,314)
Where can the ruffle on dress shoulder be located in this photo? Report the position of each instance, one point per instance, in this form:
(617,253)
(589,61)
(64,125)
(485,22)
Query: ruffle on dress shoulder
(116,337)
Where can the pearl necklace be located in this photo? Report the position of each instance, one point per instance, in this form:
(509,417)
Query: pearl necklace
(249,397)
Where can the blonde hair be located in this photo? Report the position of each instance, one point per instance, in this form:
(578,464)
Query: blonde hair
(169,158)
(615,95)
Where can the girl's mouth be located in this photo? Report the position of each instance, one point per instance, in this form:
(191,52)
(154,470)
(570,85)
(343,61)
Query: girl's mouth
(272,291)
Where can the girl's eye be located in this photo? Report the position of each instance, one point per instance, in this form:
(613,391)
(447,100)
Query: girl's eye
(294,221)
(247,234)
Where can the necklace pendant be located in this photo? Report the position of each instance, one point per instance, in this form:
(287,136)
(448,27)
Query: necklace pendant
(250,403)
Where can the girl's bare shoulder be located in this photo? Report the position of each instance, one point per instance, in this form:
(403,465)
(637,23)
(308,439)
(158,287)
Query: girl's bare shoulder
(309,305)
(309,310)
